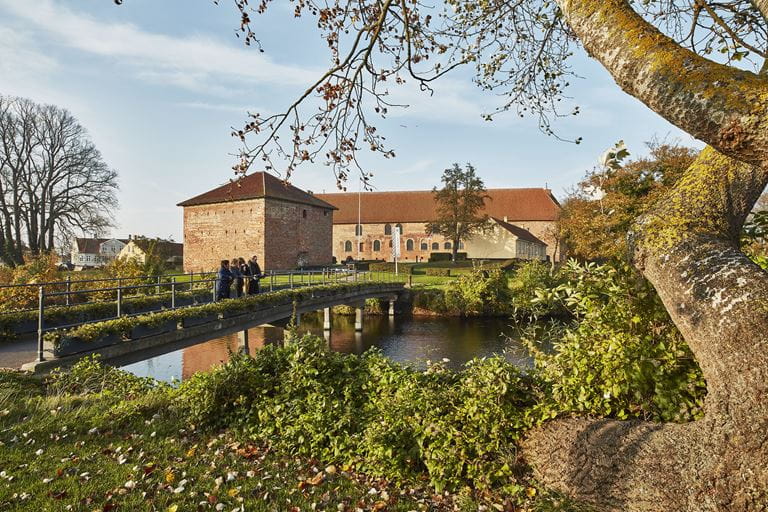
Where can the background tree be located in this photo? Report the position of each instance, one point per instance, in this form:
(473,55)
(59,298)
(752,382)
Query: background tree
(53,180)
(699,65)
(459,203)
(598,214)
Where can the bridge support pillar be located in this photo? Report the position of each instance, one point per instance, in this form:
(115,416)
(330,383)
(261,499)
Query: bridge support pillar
(327,319)
(358,319)
(242,339)
(391,307)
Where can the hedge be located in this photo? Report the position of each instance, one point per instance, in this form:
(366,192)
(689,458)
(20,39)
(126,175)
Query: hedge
(10,322)
(123,325)
(443,272)
(446,256)
(386,266)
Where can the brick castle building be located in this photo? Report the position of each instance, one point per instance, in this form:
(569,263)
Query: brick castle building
(524,225)
(259,214)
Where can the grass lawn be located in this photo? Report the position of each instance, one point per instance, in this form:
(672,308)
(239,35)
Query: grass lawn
(100,452)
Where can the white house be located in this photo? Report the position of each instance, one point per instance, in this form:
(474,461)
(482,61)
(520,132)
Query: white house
(95,252)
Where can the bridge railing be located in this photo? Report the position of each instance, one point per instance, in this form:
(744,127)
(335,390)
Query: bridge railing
(135,296)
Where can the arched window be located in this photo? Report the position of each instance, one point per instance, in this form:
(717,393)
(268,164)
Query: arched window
(399,228)
(447,245)
(388,229)
(435,246)
(376,245)
(424,246)
(361,247)
(409,245)
(358,230)
(347,246)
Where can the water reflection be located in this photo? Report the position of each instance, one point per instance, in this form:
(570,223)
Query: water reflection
(416,339)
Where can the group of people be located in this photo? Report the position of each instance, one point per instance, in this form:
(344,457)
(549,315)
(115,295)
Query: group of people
(232,275)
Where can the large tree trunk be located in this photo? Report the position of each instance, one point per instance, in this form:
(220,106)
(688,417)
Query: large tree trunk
(688,248)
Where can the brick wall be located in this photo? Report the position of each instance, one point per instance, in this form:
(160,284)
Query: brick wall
(214,232)
(277,232)
(297,235)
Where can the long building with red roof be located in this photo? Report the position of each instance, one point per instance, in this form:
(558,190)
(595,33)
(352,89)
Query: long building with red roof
(524,225)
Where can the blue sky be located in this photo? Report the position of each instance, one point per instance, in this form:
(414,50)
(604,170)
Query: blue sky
(159,84)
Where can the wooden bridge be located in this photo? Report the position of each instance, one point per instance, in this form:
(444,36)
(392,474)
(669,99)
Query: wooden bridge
(143,335)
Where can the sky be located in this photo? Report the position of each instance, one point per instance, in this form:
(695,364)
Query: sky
(160,84)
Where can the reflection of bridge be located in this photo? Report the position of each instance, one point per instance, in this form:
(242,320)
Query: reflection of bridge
(319,299)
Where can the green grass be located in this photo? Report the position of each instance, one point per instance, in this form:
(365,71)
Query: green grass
(98,451)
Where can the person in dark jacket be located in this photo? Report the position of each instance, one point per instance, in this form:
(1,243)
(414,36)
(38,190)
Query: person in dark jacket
(223,281)
(245,271)
(237,276)
(253,265)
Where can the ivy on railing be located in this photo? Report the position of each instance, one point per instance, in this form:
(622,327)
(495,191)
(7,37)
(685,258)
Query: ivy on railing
(122,326)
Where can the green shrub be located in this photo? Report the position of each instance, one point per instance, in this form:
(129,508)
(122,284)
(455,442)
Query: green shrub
(89,376)
(390,420)
(621,356)
(385,266)
(530,277)
(446,256)
(443,272)
(479,292)
(430,300)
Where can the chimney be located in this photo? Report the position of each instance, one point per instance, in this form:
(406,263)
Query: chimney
(129,237)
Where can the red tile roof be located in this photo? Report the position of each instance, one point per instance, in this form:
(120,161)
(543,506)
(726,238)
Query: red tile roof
(522,234)
(517,204)
(253,186)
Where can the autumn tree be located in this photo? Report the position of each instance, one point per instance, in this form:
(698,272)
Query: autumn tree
(598,214)
(460,203)
(699,65)
(53,179)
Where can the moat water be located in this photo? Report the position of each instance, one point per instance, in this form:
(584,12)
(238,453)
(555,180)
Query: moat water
(401,338)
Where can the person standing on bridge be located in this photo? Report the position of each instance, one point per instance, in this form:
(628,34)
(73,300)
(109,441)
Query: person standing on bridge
(253,265)
(223,281)
(237,276)
(245,270)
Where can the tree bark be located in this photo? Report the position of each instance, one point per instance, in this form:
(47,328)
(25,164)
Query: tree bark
(718,298)
(688,248)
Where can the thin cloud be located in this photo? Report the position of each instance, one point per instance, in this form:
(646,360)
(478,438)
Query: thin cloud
(189,62)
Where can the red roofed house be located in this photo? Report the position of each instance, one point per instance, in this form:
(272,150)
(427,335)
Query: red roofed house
(261,215)
(524,223)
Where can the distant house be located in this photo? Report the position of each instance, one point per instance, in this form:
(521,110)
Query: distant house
(506,241)
(95,252)
(260,215)
(139,248)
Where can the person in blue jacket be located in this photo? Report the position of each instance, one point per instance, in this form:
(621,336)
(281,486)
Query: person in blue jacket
(223,281)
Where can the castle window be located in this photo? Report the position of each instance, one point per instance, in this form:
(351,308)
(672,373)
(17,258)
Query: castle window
(376,245)
(388,229)
(447,245)
(424,246)
(358,230)
(435,246)
(347,246)
(304,213)
(409,245)
(361,246)
(399,227)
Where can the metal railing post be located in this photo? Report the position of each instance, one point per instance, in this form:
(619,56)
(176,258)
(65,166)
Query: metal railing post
(119,299)
(191,280)
(310,278)
(173,293)
(271,279)
(290,279)
(69,288)
(213,289)
(40,323)
(158,284)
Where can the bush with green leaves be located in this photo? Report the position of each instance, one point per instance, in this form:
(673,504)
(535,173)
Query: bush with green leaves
(89,376)
(528,278)
(382,417)
(480,292)
(621,356)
